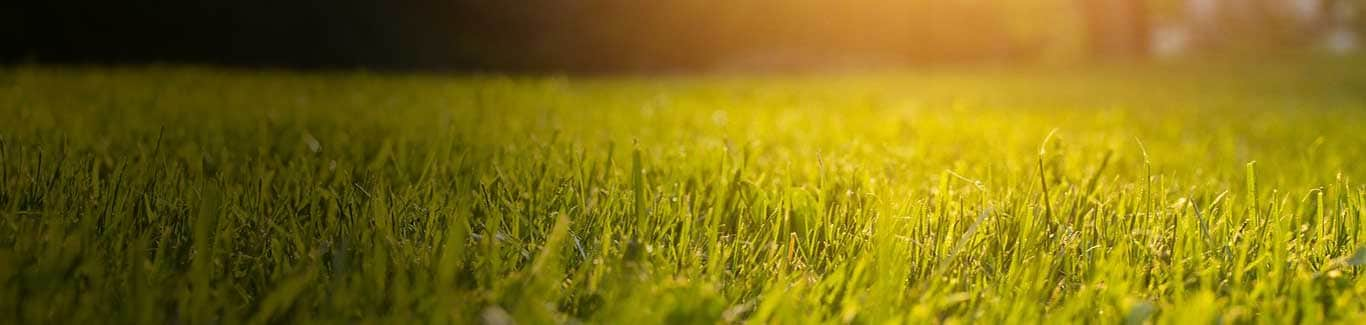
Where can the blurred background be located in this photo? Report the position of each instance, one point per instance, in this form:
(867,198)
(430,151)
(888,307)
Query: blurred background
(634,36)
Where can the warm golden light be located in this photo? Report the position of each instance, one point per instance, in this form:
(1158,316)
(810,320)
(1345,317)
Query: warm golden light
(762,34)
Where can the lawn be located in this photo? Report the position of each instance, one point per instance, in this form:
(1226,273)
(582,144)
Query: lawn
(1176,194)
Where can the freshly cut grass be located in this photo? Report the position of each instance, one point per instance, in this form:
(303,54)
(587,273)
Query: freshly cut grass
(172,195)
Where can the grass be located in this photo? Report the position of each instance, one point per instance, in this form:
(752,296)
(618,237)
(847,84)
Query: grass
(1167,195)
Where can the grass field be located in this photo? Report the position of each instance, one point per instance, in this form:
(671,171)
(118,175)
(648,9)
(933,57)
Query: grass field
(1171,195)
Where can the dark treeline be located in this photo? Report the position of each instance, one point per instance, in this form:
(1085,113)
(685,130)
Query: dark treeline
(301,34)
(570,36)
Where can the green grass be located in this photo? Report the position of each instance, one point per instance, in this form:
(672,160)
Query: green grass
(1171,195)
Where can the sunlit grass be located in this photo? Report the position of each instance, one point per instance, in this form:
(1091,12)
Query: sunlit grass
(206,196)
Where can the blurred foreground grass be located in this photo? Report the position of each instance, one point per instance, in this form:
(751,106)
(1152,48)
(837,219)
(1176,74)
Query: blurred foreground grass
(173,195)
